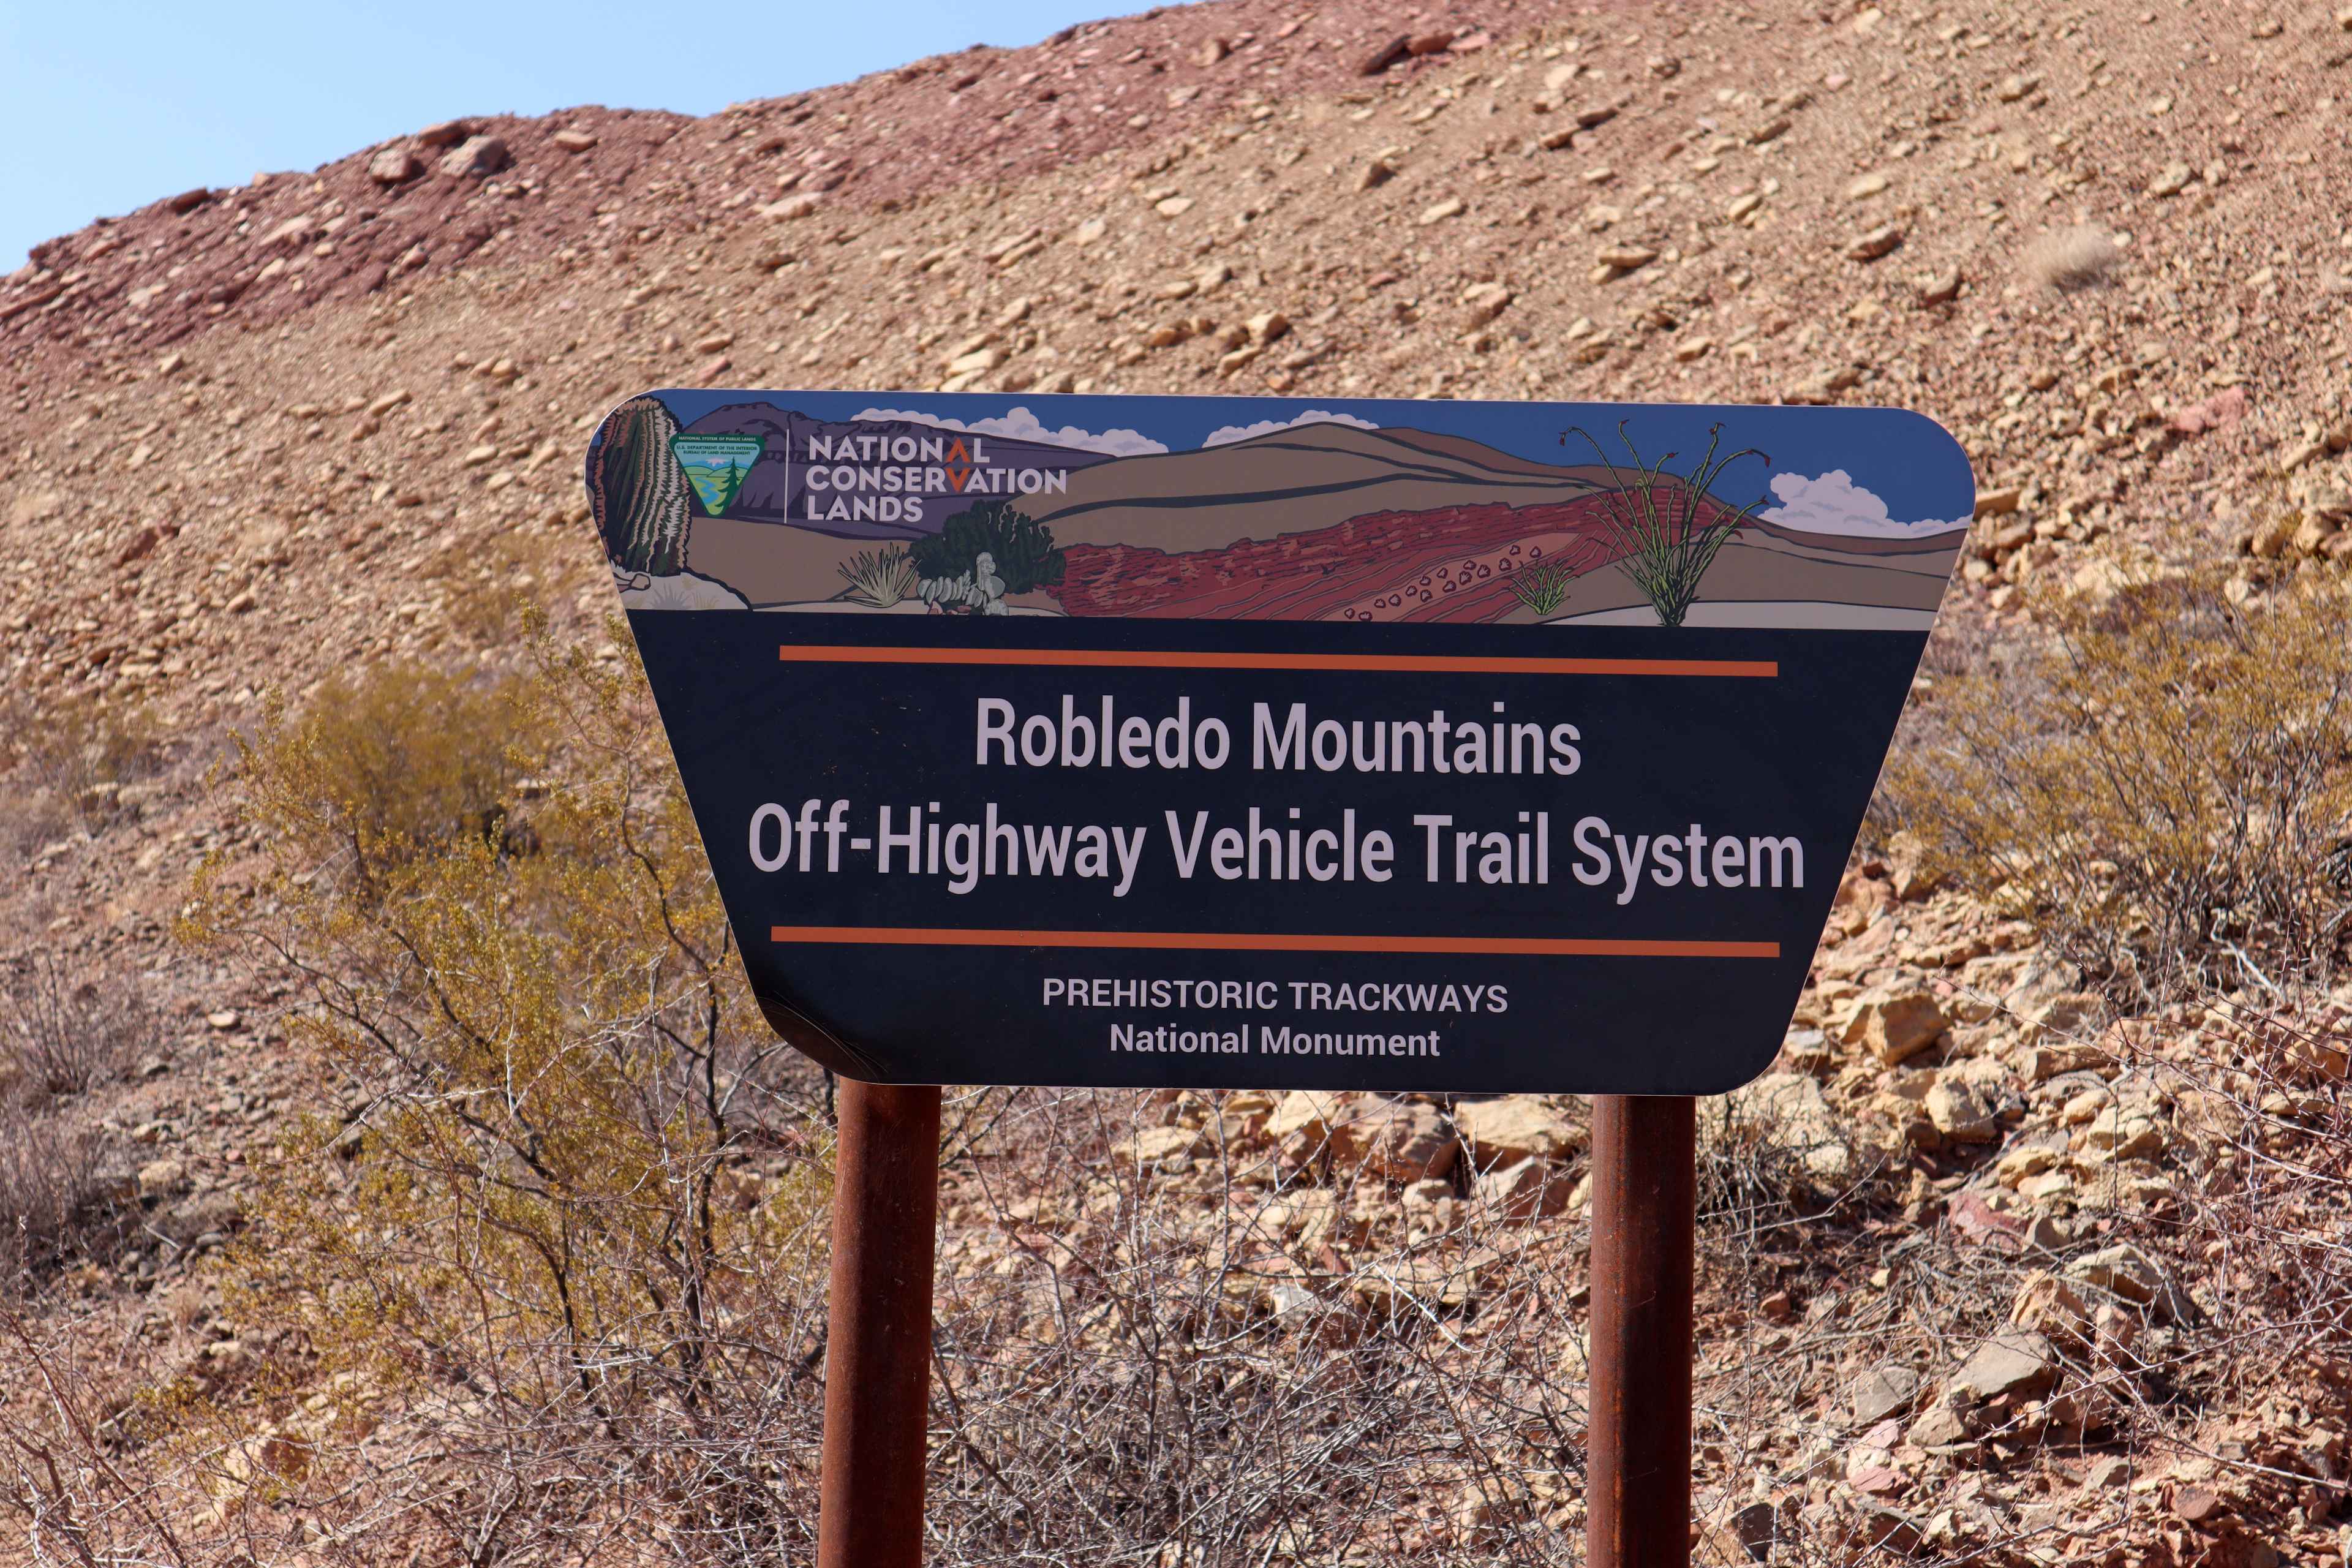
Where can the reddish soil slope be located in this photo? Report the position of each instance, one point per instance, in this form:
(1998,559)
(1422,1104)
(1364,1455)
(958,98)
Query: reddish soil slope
(1453,564)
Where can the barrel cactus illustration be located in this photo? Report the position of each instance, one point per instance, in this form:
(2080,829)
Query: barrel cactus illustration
(640,491)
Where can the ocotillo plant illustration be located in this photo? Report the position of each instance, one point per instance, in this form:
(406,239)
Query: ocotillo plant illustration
(1669,546)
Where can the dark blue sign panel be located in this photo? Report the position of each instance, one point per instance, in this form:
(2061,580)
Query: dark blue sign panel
(1225,741)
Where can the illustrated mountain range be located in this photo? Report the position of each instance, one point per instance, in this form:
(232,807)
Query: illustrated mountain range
(1322,521)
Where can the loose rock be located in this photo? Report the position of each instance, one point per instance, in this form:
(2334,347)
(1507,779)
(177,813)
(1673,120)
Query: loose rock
(475,158)
(2014,1361)
(1894,1026)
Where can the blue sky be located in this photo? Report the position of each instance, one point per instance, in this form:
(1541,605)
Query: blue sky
(104,111)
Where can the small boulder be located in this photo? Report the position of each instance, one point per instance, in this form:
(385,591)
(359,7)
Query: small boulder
(1894,1025)
(1401,1141)
(1788,1112)
(475,158)
(447,133)
(1959,1112)
(1306,1113)
(2120,1270)
(1482,302)
(1939,1426)
(1880,241)
(1170,1149)
(162,1179)
(1514,1127)
(2047,1305)
(2014,1361)
(1882,1393)
(394,166)
(1529,1189)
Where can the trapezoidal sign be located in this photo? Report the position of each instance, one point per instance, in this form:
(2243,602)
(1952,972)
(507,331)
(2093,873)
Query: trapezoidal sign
(1232,741)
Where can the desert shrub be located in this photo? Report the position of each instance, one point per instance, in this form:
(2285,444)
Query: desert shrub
(489,586)
(2071,258)
(2166,780)
(1023,548)
(74,754)
(58,1037)
(1666,527)
(1541,585)
(390,766)
(879,577)
(50,1193)
(574,1230)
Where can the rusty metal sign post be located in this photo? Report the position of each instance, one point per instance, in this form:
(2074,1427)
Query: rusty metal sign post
(1637,1492)
(878,1351)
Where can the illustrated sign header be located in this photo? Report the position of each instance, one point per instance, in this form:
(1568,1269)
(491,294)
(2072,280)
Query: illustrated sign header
(1227,742)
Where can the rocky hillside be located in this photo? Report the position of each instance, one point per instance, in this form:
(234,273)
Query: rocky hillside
(254,436)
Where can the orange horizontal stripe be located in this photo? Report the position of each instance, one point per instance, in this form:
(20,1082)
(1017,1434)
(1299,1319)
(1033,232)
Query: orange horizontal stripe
(1269,941)
(1146,658)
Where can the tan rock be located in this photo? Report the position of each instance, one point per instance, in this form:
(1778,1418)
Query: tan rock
(1164,1148)
(162,1179)
(1401,1141)
(1267,328)
(2048,1305)
(475,158)
(1308,1111)
(2120,1270)
(394,166)
(1880,241)
(1513,1128)
(1894,1025)
(1527,1189)
(1482,302)
(2123,1132)
(1788,1112)
(2016,1362)
(1959,1112)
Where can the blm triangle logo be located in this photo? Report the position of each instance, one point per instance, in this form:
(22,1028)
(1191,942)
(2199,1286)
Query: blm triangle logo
(716,466)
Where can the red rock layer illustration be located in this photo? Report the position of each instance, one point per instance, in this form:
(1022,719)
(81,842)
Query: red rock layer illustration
(1450,563)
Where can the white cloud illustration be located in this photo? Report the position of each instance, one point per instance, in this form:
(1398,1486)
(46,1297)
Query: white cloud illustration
(1226,435)
(1835,504)
(1019,424)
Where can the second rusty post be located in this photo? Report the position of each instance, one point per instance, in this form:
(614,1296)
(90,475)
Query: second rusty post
(878,1356)
(1644,1229)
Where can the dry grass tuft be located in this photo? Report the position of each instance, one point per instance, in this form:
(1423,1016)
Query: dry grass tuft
(59,1038)
(2071,258)
(50,1191)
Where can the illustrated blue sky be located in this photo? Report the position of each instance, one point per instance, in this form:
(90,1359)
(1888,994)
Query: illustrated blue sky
(105,110)
(1901,461)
